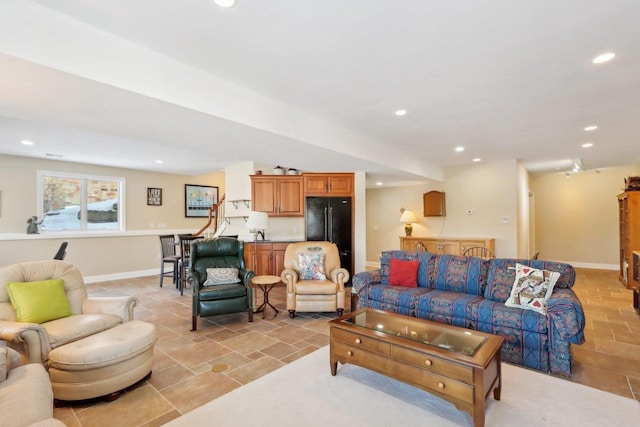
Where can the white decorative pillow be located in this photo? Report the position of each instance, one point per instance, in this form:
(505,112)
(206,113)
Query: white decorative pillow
(221,276)
(532,288)
(311,266)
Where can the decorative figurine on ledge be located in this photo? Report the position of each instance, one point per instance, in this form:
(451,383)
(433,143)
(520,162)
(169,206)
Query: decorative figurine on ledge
(33,222)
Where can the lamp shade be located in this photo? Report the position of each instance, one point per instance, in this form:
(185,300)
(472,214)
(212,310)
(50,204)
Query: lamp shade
(258,221)
(408,217)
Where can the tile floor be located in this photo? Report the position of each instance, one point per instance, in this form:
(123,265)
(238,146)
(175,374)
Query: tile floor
(184,374)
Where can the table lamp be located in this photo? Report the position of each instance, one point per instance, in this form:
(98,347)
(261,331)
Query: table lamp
(407,218)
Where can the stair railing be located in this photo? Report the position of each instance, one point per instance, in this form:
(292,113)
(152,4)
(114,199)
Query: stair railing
(216,217)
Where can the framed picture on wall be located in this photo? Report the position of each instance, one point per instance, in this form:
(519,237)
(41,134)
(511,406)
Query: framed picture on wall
(154,196)
(198,199)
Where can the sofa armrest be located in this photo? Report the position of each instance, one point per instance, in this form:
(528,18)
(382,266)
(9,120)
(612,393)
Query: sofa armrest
(289,277)
(566,317)
(118,306)
(30,338)
(364,279)
(339,276)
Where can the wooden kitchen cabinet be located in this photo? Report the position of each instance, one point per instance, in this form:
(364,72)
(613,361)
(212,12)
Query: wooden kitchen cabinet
(444,245)
(277,195)
(328,184)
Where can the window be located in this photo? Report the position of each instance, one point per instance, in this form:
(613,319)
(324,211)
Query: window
(72,202)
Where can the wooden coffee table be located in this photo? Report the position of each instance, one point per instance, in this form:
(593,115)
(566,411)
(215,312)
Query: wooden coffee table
(459,365)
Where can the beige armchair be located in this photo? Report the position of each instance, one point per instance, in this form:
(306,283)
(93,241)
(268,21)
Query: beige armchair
(25,392)
(89,315)
(314,279)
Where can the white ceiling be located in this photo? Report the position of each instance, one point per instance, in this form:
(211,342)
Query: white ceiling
(505,79)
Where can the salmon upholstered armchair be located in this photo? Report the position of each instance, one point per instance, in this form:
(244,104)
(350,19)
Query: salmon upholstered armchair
(314,279)
(35,330)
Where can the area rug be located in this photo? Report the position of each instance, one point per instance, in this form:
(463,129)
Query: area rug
(304,393)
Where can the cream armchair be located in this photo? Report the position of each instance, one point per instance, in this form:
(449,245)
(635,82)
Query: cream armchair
(89,315)
(325,291)
(25,392)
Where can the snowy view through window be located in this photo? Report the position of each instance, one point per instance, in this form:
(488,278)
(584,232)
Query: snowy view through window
(63,198)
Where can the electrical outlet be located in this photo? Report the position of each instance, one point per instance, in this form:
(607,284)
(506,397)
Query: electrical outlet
(294,229)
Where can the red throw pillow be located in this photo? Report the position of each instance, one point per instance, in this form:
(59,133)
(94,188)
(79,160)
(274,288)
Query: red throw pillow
(404,273)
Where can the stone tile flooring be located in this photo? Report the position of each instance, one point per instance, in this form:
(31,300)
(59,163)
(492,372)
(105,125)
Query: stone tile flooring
(184,374)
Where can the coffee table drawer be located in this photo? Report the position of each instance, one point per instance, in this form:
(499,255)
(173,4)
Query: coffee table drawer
(362,342)
(434,382)
(433,364)
(419,377)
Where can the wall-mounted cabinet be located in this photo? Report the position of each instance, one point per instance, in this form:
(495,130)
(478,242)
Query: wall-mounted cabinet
(445,245)
(328,184)
(277,195)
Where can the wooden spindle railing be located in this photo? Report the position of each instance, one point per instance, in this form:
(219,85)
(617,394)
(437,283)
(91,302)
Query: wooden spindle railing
(216,216)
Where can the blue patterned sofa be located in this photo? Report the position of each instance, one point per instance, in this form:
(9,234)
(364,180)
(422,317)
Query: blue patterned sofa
(470,292)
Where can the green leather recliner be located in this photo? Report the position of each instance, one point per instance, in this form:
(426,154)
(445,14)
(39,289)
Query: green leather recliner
(224,298)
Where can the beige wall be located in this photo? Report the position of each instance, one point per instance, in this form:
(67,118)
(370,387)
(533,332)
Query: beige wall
(523,224)
(137,250)
(576,218)
(488,190)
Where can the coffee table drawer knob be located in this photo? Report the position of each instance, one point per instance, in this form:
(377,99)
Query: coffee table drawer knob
(358,340)
(428,362)
(350,353)
(441,385)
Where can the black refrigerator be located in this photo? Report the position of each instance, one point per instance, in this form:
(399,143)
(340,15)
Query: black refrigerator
(329,219)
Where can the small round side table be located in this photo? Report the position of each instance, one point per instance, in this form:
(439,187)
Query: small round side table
(266,283)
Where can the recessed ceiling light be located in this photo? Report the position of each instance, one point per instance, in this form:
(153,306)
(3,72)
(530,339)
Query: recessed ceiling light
(604,58)
(591,128)
(26,142)
(477,159)
(459,149)
(379,183)
(401,112)
(159,161)
(587,145)
(225,3)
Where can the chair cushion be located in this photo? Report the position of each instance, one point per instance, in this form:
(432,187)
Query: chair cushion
(316,287)
(39,301)
(73,328)
(221,276)
(212,293)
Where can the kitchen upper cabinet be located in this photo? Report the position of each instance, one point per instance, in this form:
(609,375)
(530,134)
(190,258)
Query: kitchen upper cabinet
(277,195)
(328,184)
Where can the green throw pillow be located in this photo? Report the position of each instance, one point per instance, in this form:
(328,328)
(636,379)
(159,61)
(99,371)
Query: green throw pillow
(39,302)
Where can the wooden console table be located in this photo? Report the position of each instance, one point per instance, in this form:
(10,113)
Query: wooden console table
(445,245)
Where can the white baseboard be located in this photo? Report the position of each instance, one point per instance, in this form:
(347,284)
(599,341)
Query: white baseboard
(119,276)
(593,265)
